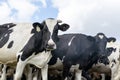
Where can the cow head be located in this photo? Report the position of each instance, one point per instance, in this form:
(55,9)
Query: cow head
(101,42)
(47,28)
(53,26)
(51,22)
(44,29)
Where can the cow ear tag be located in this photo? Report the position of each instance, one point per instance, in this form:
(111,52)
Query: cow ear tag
(37,26)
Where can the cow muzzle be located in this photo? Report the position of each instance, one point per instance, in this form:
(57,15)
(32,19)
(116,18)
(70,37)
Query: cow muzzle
(51,45)
(104,60)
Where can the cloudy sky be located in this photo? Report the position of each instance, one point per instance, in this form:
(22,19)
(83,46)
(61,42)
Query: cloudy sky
(83,16)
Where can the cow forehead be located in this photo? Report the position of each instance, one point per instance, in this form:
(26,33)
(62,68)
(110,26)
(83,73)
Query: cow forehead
(101,36)
(50,24)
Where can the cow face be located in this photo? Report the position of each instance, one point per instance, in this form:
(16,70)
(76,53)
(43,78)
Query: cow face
(47,28)
(45,32)
(101,42)
(49,24)
(52,25)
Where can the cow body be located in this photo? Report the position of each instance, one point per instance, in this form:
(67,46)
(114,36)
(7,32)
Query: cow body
(20,35)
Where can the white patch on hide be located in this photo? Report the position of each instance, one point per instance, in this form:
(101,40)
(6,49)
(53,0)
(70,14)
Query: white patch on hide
(101,36)
(71,41)
(51,24)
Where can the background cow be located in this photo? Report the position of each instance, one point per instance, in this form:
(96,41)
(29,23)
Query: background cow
(114,59)
(79,49)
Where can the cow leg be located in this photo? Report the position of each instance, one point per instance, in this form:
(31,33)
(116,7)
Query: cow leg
(107,77)
(44,72)
(37,74)
(3,76)
(28,72)
(86,75)
(66,69)
(19,69)
(29,77)
(78,74)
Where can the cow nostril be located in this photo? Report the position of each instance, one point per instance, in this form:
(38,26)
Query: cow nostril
(51,46)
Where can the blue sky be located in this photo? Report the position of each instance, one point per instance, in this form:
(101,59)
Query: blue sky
(83,16)
(27,10)
(46,12)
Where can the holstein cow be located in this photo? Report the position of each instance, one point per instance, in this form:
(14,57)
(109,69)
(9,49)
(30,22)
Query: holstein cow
(100,68)
(114,59)
(79,49)
(112,70)
(27,43)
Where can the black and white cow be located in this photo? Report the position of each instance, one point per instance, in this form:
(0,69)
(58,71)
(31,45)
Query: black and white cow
(79,49)
(106,70)
(27,43)
(112,70)
(114,59)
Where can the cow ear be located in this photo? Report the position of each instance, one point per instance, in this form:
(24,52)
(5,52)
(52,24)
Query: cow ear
(111,39)
(37,26)
(63,27)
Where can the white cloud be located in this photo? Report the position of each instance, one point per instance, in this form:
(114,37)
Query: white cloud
(90,16)
(74,11)
(44,3)
(19,10)
(24,9)
(5,11)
